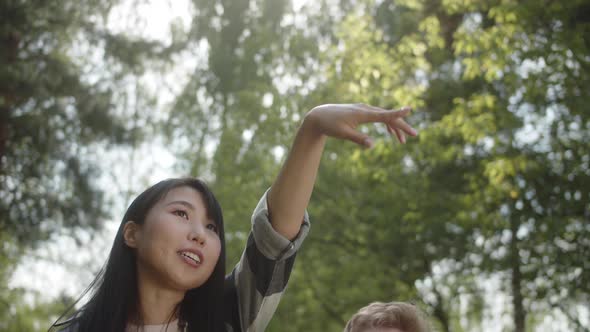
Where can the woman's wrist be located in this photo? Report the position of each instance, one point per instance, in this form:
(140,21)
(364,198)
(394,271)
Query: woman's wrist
(311,124)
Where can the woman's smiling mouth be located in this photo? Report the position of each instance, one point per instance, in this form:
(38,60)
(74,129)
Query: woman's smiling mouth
(194,259)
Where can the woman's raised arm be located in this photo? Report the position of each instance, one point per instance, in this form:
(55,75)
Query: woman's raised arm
(291,191)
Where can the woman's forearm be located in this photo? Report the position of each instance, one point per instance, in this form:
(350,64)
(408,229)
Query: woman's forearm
(291,191)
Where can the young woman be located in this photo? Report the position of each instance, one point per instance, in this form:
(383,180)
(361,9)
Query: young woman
(166,271)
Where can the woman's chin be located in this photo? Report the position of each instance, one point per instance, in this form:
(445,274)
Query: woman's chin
(190,284)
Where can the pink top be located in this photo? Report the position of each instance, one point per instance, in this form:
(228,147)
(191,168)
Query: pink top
(172,327)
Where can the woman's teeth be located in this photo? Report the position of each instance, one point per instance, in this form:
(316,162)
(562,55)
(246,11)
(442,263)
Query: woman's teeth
(192,256)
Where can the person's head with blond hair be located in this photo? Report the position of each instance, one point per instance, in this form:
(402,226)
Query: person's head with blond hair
(388,317)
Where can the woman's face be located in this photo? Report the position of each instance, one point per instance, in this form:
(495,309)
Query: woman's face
(177,245)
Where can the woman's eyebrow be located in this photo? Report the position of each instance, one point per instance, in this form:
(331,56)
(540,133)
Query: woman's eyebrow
(185,203)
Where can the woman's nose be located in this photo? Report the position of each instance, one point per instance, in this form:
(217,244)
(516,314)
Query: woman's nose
(197,234)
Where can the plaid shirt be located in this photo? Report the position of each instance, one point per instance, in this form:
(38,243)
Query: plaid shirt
(255,286)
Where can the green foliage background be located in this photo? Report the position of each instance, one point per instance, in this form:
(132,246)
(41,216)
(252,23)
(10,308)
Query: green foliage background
(494,189)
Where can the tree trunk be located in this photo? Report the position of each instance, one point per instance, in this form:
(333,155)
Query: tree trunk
(440,313)
(516,280)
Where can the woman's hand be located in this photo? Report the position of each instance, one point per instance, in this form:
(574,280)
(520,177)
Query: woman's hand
(341,121)
(291,191)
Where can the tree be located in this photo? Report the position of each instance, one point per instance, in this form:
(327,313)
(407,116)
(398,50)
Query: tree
(232,114)
(469,202)
(464,65)
(58,112)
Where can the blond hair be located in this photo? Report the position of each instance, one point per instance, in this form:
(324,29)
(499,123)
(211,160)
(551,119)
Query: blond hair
(403,316)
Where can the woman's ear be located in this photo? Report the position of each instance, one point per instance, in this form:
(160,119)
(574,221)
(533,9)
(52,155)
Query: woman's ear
(131,233)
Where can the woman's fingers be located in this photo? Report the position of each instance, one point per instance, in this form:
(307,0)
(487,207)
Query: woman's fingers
(347,122)
(393,119)
(358,137)
(404,126)
(376,114)
(401,135)
(398,133)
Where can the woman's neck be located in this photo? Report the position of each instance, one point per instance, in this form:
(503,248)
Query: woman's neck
(157,303)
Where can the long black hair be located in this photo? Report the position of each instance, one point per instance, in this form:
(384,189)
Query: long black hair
(114,293)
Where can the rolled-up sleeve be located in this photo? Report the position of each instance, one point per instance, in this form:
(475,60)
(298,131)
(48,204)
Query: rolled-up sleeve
(261,276)
(270,243)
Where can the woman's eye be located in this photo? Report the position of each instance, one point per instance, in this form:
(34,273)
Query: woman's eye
(213,227)
(181,214)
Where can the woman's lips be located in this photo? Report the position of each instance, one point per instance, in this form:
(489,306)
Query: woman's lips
(192,257)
